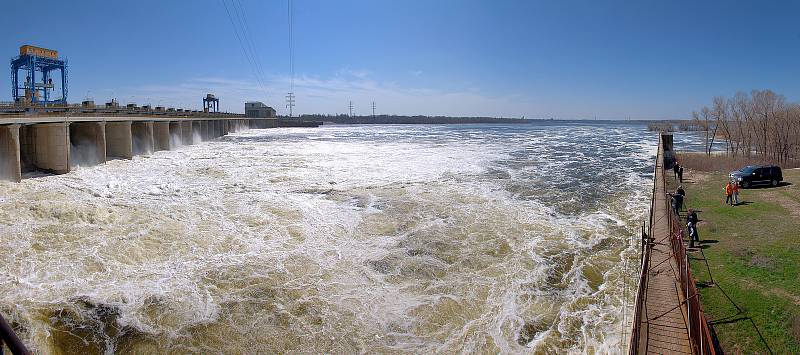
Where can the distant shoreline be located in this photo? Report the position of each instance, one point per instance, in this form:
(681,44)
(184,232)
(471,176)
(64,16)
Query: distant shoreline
(384,119)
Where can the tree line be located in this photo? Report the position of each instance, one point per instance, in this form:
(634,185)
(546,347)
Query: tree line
(401,119)
(761,124)
(674,125)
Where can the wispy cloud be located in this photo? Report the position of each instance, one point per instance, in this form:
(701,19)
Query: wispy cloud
(330,95)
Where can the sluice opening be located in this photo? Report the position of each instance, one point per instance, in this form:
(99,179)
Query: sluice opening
(142,135)
(87,143)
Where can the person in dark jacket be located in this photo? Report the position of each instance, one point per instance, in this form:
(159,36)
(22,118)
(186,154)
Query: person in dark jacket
(680,174)
(677,202)
(682,192)
(691,219)
(675,168)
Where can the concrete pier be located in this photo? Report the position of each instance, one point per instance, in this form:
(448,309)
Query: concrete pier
(119,140)
(204,132)
(52,148)
(175,130)
(161,136)
(142,132)
(186,133)
(197,132)
(87,143)
(216,129)
(10,167)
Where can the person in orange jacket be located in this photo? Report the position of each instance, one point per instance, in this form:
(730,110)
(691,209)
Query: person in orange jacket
(735,193)
(729,193)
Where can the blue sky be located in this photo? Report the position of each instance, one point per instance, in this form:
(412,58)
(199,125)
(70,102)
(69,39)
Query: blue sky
(563,59)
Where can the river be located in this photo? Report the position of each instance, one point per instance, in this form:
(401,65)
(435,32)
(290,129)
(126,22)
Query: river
(340,239)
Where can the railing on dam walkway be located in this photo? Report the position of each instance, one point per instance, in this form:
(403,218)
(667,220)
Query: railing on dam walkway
(10,339)
(668,317)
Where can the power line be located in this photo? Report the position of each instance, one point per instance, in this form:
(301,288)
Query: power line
(250,61)
(240,14)
(290,20)
(290,17)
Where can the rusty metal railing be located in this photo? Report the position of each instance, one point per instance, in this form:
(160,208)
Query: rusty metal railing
(11,340)
(697,324)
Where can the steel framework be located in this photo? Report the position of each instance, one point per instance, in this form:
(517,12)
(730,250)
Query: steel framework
(210,103)
(38,93)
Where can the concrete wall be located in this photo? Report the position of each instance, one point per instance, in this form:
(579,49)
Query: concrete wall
(52,147)
(197,132)
(263,123)
(27,148)
(143,142)
(87,143)
(161,137)
(10,164)
(175,134)
(186,133)
(204,130)
(218,128)
(119,140)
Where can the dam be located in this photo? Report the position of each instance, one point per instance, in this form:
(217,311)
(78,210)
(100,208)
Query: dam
(41,131)
(55,144)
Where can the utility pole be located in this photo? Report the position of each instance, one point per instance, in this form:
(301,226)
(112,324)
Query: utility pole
(373,110)
(351,109)
(290,102)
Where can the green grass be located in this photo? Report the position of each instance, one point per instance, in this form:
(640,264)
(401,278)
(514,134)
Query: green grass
(754,256)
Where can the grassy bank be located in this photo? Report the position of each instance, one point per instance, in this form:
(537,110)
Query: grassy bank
(753,254)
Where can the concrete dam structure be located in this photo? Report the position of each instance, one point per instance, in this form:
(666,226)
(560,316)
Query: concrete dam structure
(55,144)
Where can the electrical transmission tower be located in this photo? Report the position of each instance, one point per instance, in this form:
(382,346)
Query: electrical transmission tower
(290,95)
(290,102)
(351,109)
(373,110)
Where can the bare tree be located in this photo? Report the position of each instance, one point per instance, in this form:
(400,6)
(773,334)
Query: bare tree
(760,123)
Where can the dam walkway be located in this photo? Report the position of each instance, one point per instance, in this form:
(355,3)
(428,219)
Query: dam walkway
(668,317)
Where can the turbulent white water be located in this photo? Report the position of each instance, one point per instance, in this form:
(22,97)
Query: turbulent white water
(341,239)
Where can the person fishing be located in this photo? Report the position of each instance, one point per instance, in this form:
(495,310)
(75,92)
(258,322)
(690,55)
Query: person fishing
(677,202)
(680,174)
(735,193)
(729,193)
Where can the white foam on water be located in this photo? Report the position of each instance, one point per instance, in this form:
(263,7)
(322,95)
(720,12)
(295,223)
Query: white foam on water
(338,239)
